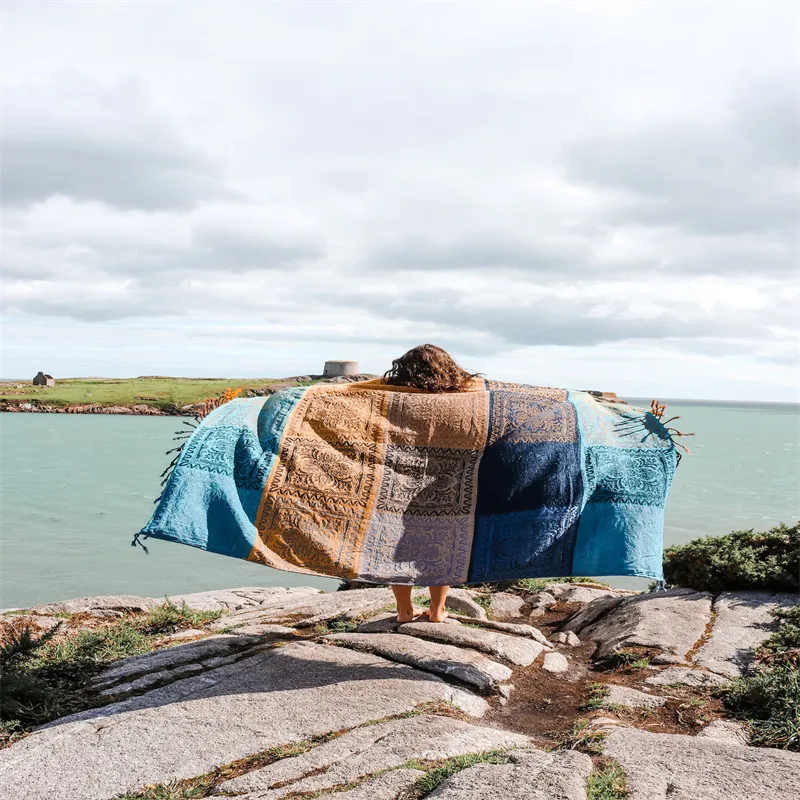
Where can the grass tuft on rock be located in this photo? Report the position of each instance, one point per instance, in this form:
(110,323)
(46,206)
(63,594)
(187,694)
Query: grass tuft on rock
(765,561)
(437,775)
(607,781)
(585,738)
(45,676)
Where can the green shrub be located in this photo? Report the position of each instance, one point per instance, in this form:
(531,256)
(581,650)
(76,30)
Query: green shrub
(768,561)
(770,699)
(770,702)
(787,637)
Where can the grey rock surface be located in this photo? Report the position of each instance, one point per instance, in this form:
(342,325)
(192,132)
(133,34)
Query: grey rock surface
(172,657)
(83,605)
(505,606)
(285,694)
(555,662)
(742,624)
(460,601)
(632,698)
(389,786)
(585,594)
(237,599)
(533,775)
(151,679)
(661,766)
(728,730)
(326,606)
(374,748)
(383,623)
(591,612)
(180,636)
(685,676)
(568,638)
(672,622)
(216,600)
(515,628)
(515,649)
(541,601)
(466,666)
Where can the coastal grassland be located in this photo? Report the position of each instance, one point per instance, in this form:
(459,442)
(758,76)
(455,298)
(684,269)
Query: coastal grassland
(156,392)
(45,675)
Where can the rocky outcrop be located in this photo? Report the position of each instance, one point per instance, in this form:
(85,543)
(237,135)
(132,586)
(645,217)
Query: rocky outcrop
(465,665)
(662,766)
(531,775)
(743,622)
(283,695)
(515,649)
(362,716)
(369,750)
(632,698)
(669,622)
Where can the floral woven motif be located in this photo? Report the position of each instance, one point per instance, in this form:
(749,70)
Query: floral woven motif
(388,484)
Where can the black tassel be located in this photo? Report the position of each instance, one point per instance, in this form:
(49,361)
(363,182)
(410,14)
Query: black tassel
(136,541)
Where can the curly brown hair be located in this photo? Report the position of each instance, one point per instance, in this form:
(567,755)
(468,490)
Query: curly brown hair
(429,368)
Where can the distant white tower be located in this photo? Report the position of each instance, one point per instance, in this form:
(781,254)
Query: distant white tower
(337,369)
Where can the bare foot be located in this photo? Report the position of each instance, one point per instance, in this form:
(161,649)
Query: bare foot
(427,616)
(407,615)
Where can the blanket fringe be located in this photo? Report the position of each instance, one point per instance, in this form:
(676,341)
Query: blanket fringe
(136,541)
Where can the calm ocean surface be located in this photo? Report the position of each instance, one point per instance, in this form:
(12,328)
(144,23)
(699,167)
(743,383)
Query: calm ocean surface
(73,490)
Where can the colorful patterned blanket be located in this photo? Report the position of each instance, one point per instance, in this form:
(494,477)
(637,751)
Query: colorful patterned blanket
(371,482)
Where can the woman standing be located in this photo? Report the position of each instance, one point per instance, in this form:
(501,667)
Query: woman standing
(429,369)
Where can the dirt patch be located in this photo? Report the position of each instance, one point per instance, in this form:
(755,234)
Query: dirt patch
(544,705)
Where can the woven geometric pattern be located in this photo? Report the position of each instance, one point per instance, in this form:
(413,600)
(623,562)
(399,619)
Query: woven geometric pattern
(393,485)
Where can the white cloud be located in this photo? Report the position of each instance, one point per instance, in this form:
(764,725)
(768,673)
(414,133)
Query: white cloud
(547,189)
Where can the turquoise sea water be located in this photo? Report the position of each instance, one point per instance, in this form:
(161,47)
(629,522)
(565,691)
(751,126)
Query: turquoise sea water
(73,490)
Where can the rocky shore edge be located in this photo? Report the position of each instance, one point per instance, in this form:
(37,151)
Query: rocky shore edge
(574,691)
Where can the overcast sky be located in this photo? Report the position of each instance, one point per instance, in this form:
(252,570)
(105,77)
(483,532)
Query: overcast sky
(591,195)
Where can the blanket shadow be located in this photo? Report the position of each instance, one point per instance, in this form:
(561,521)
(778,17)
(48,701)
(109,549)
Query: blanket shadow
(286,667)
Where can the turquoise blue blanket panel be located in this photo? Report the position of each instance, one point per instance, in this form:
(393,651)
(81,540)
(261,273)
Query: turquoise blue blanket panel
(628,463)
(212,497)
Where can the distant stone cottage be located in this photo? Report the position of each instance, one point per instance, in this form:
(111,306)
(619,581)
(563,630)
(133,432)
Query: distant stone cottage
(43,379)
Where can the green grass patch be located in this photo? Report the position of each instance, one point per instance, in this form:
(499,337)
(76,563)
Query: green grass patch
(596,697)
(607,781)
(582,736)
(343,626)
(765,561)
(435,776)
(483,599)
(46,676)
(155,392)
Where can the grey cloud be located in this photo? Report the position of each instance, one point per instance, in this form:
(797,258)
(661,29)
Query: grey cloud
(81,139)
(555,321)
(705,175)
(470,253)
